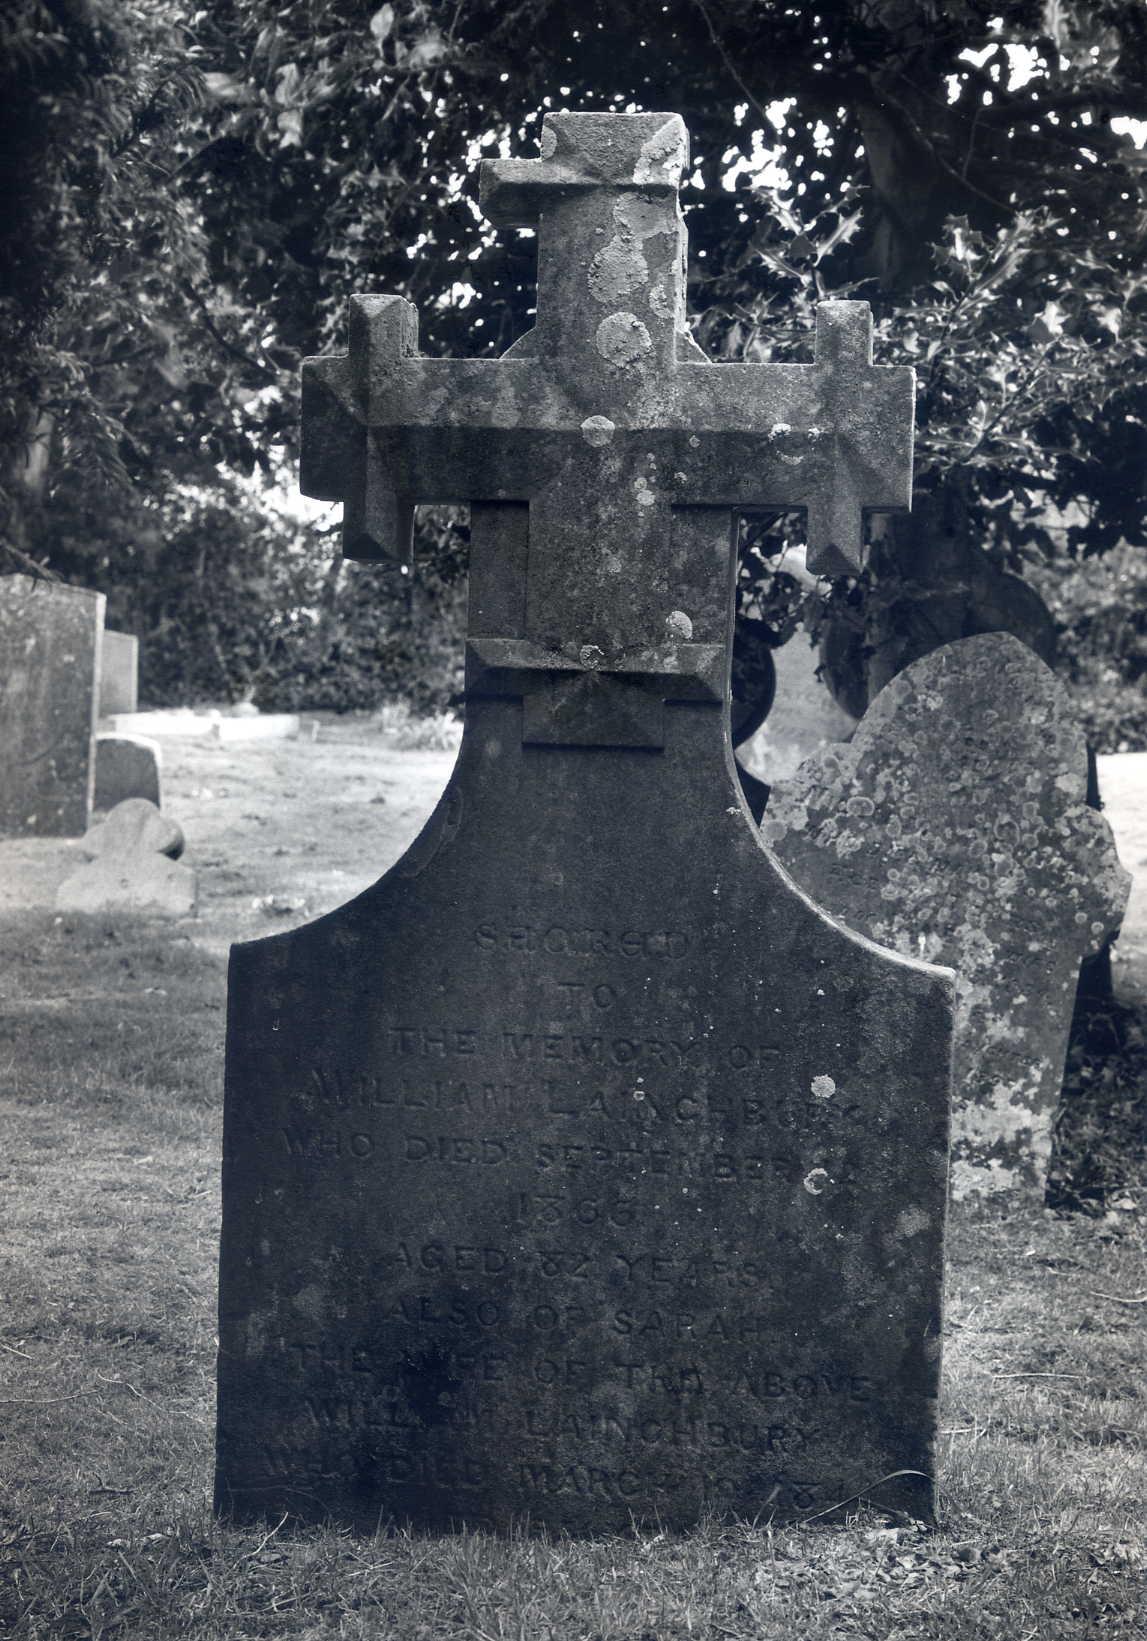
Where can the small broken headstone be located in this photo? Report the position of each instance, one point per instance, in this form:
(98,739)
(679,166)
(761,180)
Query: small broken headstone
(132,869)
(49,672)
(127,766)
(134,826)
(954,827)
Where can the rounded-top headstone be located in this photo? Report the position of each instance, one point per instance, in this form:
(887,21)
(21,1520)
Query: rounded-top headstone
(954,827)
(134,826)
(127,766)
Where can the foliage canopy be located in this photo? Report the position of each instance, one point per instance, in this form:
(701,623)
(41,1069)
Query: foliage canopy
(198,191)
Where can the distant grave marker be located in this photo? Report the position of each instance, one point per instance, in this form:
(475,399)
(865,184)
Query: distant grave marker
(955,826)
(49,680)
(581,1168)
(127,766)
(119,673)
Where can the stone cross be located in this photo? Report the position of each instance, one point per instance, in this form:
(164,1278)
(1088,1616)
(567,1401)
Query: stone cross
(608,420)
(581,1169)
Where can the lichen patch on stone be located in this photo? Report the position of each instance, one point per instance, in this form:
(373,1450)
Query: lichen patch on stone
(598,431)
(662,157)
(622,340)
(911,1222)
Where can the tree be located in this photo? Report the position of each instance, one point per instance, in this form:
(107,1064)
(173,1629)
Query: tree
(955,164)
(89,90)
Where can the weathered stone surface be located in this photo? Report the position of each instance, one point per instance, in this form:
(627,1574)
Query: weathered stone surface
(138,883)
(119,673)
(127,766)
(581,1168)
(954,827)
(49,665)
(134,826)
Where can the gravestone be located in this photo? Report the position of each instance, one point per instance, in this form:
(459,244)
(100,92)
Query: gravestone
(49,682)
(134,824)
(127,766)
(581,1169)
(955,826)
(132,870)
(119,673)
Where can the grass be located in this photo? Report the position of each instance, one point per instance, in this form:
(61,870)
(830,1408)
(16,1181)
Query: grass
(110,1071)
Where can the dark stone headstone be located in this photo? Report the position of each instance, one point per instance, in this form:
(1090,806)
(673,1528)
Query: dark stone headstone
(119,673)
(581,1169)
(955,826)
(127,766)
(49,671)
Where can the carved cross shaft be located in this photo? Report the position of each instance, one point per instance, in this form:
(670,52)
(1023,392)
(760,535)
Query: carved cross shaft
(608,420)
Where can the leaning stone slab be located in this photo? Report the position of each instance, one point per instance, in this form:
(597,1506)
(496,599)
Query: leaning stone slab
(134,826)
(147,885)
(177,721)
(127,766)
(954,827)
(581,1169)
(49,681)
(269,726)
(119,673)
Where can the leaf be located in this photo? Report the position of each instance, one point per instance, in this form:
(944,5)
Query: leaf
(287,90)
(225,88)
(382,22)
(290,123)
(427,51)
(1046,326)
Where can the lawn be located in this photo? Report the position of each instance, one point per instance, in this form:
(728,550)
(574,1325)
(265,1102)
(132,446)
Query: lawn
(110,1091)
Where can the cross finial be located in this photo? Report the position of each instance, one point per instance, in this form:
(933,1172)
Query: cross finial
(609,421)
(611,264)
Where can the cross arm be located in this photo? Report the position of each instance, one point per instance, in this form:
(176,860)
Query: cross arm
(384,428)
(834,437)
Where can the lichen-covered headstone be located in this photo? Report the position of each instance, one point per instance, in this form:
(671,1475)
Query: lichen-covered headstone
(49,681)
(954,827)
(581,1169)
